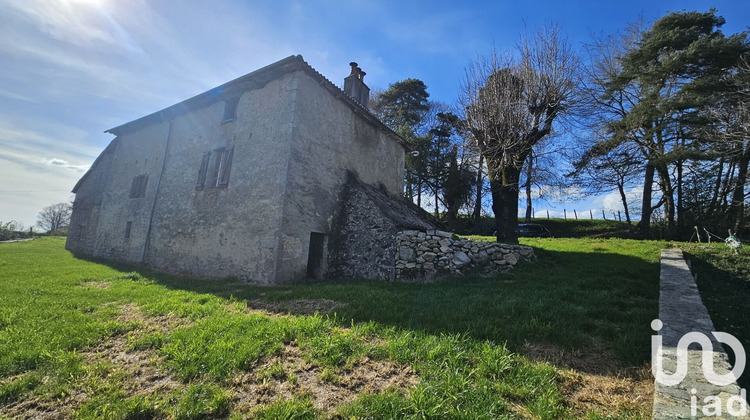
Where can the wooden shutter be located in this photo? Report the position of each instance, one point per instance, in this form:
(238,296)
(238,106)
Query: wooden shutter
(203,170)
(216,169)
(226,167)
(138,187)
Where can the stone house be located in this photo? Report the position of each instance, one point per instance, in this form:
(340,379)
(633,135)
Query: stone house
(274,177)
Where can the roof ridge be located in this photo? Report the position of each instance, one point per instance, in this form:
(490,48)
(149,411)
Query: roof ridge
(211,95)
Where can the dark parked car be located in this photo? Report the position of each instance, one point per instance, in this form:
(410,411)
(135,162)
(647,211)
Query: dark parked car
(533,230)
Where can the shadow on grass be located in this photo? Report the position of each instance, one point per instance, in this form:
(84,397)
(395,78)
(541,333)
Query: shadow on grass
(724,284)
(582,303)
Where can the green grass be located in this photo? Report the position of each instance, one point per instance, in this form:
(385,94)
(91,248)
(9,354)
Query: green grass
(461,337)
(583,227)
(723,279)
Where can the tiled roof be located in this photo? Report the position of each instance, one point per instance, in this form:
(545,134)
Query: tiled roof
(256,80)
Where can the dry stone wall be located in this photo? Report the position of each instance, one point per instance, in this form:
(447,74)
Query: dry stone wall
(423,255)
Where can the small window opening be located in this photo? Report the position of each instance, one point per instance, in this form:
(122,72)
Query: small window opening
(218,174)
(221,168)
(230,109)
(138,187)
(316,263)
(128,227)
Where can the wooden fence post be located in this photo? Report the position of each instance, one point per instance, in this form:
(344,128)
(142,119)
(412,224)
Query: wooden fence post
(575,213)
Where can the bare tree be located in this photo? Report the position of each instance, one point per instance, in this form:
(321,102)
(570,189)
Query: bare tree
(510,105)
(54,217)
(604,172)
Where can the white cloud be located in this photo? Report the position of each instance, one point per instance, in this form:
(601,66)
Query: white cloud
(16,96)
(64,164)
(613,201)
(20,140)
(39,166)
(557,194)
(70,22)
(23,193)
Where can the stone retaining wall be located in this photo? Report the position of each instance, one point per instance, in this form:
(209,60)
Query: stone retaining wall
(423,255)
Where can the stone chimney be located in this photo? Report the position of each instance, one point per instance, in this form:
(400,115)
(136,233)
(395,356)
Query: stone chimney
(355,87)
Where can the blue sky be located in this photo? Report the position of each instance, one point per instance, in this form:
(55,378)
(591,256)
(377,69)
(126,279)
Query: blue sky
(74,68)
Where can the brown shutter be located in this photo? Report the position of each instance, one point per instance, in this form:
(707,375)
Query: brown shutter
(215,170)
(203,170)
(226,167)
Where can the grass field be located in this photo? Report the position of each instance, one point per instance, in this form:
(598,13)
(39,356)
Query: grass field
(723,279)
(566,336)
(583,227)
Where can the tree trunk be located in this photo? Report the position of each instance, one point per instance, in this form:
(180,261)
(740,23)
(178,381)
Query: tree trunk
(529,169)
(478,185)
(667,191)
(419,194)
(726,188)
(504,188)
(680,222)
(713,206)
(737,209)
(644,226)
(437,207)
(623,197)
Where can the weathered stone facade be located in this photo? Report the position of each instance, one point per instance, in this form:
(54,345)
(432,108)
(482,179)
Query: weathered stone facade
(423,255)
(240,181)
(363,240)
(277,176)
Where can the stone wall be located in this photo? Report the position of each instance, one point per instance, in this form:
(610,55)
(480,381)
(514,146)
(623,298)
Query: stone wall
(422,255)
(328,139)
(364,229)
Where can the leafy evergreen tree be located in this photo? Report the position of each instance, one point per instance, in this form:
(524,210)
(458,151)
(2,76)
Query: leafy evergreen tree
(403,107)
(669,77)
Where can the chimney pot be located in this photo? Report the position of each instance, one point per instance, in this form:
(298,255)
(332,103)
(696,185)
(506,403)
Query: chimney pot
(355,87)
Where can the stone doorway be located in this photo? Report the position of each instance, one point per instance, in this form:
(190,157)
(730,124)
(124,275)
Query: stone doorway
(316,256)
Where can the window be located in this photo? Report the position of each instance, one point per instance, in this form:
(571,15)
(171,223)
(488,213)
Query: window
(128,227)
(218,172)
(230,109)
(138,187)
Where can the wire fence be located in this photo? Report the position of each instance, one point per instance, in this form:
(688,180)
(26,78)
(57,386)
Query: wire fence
(586,214)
